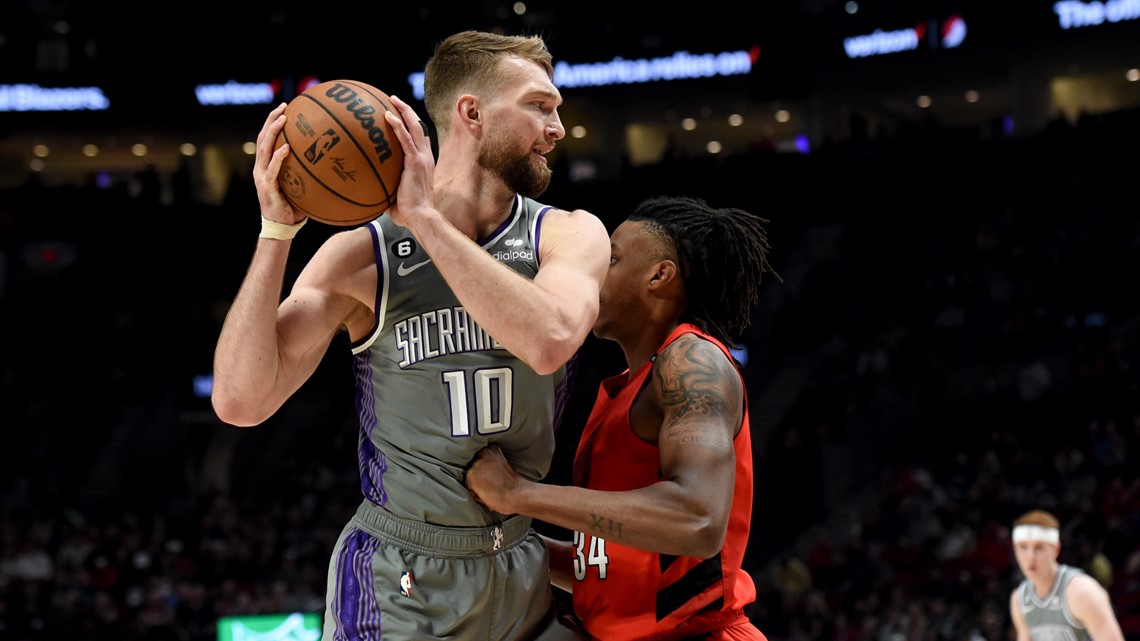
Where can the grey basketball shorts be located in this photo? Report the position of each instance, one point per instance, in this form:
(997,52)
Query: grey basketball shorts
(400,580)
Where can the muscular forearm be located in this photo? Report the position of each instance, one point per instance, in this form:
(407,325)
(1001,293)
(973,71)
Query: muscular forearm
(246,357)
(659,518)
(534,324)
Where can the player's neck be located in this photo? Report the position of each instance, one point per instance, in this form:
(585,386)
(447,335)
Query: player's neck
(1044,584)
(475,207)
(644,343)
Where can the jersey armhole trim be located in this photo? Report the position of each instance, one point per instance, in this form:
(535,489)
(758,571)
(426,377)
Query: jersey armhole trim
(382,281)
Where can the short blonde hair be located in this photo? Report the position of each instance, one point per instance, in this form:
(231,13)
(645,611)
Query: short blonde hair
(468,62)
(1039,518)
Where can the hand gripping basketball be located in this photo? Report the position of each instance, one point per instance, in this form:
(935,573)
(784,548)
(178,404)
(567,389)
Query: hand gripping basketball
(344,162)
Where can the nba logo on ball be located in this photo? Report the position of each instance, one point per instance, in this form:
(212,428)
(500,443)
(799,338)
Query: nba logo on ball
(344,162)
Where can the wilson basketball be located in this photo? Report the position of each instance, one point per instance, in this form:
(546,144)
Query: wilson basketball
(344,160)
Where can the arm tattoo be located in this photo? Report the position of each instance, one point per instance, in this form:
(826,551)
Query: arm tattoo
(691,379)
(695,383)
(606,526)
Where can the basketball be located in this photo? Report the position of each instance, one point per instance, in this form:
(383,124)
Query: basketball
(344,160)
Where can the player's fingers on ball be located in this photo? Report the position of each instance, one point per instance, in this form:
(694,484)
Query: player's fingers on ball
(267,139)
(396,121)
(406,112)
(401,132)
(273,167)
(272,118)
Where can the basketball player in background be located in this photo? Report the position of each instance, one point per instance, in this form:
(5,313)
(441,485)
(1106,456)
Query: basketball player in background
(661,504)
(462,306)
(1055,601)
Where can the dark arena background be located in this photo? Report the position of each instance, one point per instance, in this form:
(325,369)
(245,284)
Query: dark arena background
(952,189)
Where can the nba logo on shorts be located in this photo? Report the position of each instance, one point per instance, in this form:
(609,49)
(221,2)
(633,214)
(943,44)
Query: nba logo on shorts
(497,538)
(406,583)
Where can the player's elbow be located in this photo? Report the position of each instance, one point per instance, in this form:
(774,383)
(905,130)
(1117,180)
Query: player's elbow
(553,353)
(701,533)
(706,540)
(547,362)
(230,410)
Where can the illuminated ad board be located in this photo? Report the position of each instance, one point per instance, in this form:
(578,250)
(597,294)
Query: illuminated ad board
(271,627)
(1074,14)
(33,97)
(946,34)
(681,65)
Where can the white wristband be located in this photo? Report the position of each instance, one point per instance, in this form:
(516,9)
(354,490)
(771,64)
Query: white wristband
(280,231)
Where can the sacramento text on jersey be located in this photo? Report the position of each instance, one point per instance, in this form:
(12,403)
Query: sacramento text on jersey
(450,330)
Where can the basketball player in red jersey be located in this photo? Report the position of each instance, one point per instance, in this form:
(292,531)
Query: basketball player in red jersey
(662,496)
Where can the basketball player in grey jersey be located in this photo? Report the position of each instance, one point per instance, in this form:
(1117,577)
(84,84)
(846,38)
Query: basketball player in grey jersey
(463,305)
(463,389)
(1055,602)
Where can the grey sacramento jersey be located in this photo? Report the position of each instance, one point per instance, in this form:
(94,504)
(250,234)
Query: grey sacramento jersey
(1049,619)
(433,388)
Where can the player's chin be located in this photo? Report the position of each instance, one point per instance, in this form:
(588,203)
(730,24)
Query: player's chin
(538,182)
(544,174)
(601,327)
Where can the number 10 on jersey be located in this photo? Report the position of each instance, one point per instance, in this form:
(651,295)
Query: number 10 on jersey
(489,393)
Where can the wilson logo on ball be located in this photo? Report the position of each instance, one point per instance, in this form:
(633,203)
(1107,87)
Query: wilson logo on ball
(365,114)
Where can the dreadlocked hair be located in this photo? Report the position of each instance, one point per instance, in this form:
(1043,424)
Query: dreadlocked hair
(722,255)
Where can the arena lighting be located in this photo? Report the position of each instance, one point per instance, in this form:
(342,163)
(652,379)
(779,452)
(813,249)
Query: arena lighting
(37,98)
(203,385)
(740,354)
(681,65)
(49,255)
(1072,14)
(802,144)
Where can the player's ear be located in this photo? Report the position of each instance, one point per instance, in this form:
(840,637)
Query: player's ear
(664,273)
(467,109)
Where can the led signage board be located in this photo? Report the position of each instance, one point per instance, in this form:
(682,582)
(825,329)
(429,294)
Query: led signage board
(1072,14)
(249,93)
(270,627)
(879,42)
(37,98)
(682,65)
(236,93)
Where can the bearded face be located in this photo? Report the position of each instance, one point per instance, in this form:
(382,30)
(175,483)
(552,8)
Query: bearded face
(518,169)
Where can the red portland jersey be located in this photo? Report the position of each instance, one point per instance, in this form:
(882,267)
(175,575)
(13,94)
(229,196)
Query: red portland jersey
(625,593)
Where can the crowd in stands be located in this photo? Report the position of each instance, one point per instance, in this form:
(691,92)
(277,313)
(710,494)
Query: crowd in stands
(973,349)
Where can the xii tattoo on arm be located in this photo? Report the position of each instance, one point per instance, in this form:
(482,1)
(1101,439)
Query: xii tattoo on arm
(606,526)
